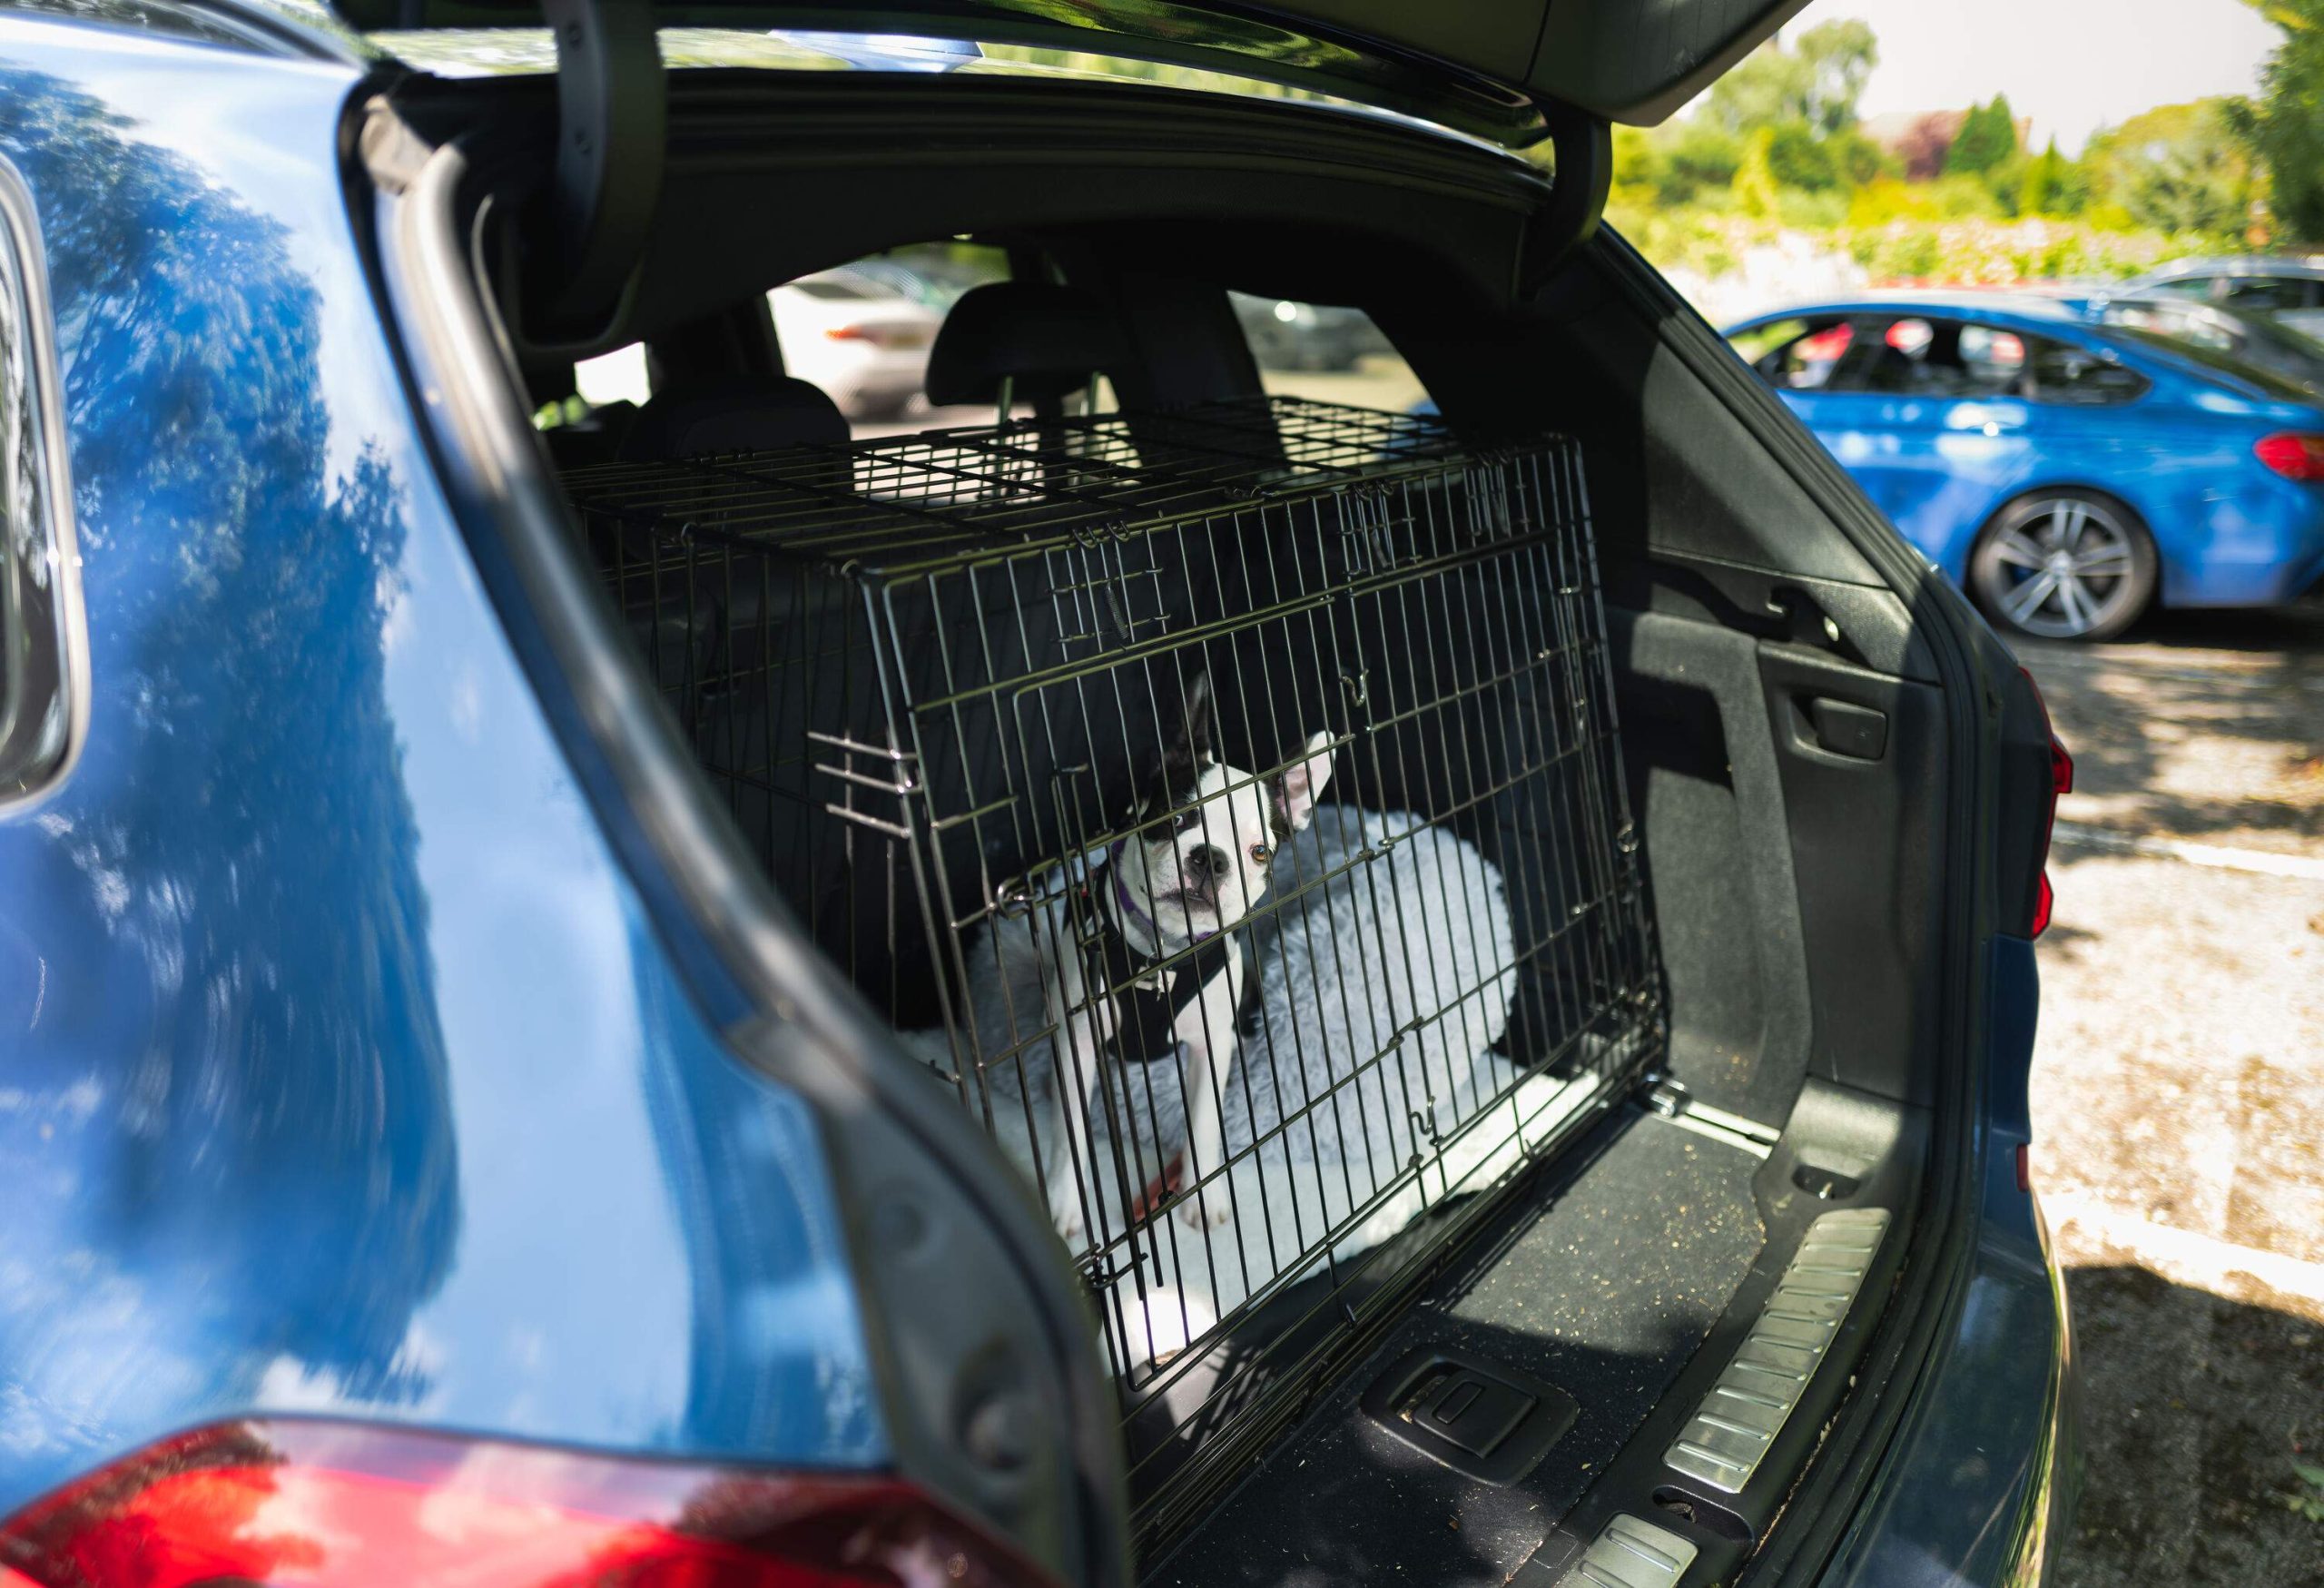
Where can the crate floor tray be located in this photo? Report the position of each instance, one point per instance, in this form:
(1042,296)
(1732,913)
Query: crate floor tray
(1226,804)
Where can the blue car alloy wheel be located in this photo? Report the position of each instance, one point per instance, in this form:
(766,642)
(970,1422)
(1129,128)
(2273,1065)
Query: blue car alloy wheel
(2064,564)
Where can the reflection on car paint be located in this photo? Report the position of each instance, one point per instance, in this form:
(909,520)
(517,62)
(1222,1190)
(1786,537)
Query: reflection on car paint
(342,1070)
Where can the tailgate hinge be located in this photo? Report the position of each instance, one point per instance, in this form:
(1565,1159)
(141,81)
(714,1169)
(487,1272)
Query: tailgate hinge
(612,111)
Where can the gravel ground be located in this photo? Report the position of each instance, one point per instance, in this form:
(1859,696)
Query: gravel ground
(2179,1092)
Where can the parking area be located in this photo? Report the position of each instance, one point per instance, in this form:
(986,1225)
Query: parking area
(2179,1091)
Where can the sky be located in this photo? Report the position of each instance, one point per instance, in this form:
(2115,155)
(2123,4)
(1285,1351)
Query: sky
(2072,65)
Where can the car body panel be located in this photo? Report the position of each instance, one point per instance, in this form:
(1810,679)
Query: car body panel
(343,1072)
(2229,531)
(1979,1483)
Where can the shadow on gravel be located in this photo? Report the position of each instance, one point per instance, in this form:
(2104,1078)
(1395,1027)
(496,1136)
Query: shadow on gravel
(2194,1408)
(2262,629)
(2207,725)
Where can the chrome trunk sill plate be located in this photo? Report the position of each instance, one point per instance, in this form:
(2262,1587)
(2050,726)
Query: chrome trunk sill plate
(1630,1554)
(1738,1420)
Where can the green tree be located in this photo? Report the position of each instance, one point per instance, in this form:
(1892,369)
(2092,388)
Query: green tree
(2284,127)
(2039,187)
(1757,191)
(2176,168)
(1840,57)
(1799,159)
(1638,163)
(1988,136)
(1818,83)
(1859,159)
(1700,154)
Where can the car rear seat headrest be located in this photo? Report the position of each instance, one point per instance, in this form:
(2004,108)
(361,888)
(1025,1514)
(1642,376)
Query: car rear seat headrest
(1047,339)
(734,413)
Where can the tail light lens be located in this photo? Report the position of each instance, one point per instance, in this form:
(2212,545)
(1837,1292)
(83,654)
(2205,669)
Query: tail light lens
(878,336)
(322,1505)
(2061,783)
(2292,455)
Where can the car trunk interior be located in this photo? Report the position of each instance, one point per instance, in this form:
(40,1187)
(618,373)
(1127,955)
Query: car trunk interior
(1772,825)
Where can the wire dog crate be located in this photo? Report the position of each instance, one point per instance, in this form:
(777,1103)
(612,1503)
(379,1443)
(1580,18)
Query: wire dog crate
(950,687)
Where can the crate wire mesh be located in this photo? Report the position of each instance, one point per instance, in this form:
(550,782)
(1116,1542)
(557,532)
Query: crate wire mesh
(933,678)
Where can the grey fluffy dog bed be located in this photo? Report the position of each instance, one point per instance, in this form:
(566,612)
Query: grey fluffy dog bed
(1389,980)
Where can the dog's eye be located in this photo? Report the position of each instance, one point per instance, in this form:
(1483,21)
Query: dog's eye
(1261,853)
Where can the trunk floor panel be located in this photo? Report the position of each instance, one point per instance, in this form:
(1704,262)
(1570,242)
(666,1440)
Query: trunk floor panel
(1604,1289)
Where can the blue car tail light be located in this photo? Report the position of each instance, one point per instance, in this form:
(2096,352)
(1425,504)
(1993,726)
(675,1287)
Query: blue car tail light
(2292,455)
(299,1505)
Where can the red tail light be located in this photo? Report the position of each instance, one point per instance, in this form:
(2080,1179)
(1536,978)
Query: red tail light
(2061,783)
(320,1506)
(871,333)
(2292,455)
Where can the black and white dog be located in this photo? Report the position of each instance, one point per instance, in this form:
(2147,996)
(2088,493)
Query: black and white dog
(1160,978)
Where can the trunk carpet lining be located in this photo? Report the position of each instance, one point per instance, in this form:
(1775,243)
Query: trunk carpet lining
(1605,1291)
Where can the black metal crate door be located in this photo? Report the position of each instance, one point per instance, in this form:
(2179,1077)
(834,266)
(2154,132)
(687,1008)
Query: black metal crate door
(1225,805)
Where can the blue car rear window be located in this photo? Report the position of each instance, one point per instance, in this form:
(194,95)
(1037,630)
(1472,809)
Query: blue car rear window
(2262,383)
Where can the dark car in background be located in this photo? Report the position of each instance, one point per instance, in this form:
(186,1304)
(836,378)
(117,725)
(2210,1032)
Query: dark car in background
(2278,286)
(480,889)
(2070,472)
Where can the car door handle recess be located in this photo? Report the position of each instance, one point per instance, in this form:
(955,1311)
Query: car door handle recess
(1839,727)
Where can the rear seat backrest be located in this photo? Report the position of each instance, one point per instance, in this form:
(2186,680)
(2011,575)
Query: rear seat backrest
(734,413)
(1041,338)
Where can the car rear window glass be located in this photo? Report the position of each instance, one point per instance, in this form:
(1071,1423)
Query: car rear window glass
(2258,381)
(2265,293)
(2077,376)
(2275,345)
(1930,356)
(1325,352)
(615,376)
(1992,360)
(1795,355)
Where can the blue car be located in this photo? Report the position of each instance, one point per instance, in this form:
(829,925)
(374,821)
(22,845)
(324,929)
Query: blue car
(2071,475)
(503,895)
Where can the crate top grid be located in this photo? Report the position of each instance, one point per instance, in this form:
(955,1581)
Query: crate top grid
(915,503)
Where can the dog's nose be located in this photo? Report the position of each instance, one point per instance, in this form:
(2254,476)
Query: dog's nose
(1206,861)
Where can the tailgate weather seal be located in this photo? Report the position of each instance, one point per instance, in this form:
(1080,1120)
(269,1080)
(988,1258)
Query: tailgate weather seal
(1738,1420)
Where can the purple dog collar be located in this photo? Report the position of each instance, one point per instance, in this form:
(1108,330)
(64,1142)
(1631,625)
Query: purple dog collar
(1122,898)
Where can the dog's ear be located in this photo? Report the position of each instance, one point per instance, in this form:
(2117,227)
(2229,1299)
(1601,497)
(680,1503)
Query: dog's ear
(1302,785)
(1182,763)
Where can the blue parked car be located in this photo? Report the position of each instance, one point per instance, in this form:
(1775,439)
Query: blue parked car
(2072,474)
(481,1098)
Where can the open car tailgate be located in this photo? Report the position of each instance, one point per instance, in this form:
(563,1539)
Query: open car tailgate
(1635,60)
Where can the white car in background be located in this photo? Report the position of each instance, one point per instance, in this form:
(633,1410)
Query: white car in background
(862,341)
